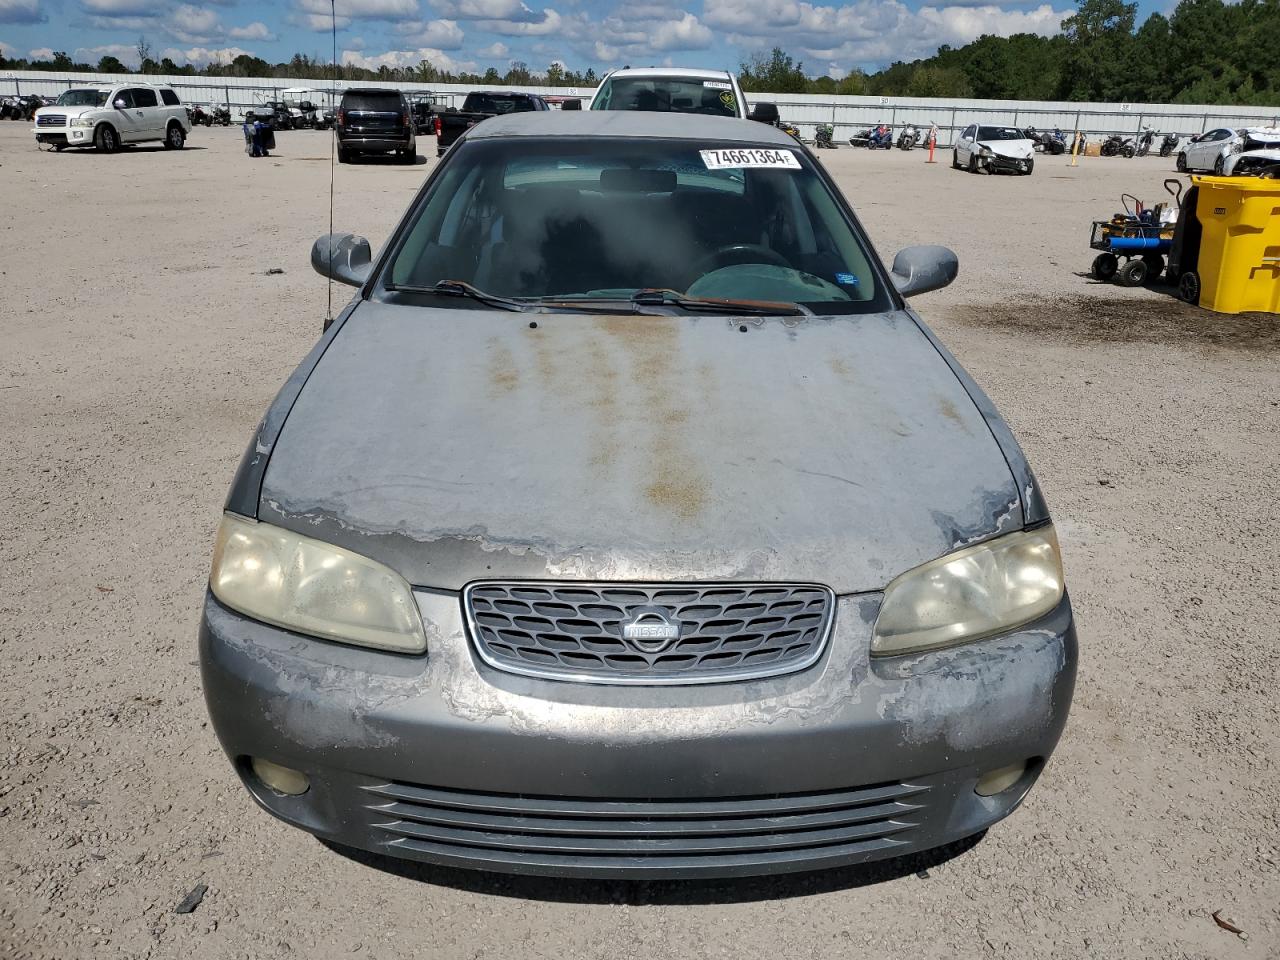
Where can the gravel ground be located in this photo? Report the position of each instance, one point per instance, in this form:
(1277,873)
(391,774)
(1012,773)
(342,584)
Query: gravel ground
(142,339)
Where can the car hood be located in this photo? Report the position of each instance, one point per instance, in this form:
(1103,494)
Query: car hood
(456,445)
(1017,149)
(67,112)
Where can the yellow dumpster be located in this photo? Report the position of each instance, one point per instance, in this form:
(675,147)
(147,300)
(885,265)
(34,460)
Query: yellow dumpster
(1239,263)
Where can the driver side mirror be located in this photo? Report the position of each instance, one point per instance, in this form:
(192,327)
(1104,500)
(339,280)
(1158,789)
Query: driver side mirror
(765,113)
(921,269)
(118,104)
(343,257)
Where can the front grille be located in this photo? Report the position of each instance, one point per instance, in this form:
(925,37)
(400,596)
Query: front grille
(51,120)
(575,631)
(663,836)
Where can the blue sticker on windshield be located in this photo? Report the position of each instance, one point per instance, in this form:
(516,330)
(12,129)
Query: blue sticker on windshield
(846,279)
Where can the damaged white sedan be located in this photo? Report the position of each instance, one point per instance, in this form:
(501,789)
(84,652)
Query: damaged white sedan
(994,150)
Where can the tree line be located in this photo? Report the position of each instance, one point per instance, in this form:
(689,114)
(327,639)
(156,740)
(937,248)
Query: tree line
(1205,51)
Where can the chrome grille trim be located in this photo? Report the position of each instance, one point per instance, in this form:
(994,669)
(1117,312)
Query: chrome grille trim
(51,120)
(631,833)
(559,641)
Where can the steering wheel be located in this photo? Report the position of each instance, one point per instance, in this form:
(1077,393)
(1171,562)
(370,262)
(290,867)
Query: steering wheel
(734,253)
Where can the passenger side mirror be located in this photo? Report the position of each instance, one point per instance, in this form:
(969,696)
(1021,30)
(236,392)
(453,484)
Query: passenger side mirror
(765,113)
(343,257)
(571,105)
(921,269)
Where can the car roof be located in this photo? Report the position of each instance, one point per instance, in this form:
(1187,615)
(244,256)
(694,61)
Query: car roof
(389,91)
(672,72)
(587,124)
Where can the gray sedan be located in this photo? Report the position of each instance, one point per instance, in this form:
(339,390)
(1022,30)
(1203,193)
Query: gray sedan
(627,523)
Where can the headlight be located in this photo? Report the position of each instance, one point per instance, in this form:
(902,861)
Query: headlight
(82,122)
(984,151)
(970,594)
(292,581)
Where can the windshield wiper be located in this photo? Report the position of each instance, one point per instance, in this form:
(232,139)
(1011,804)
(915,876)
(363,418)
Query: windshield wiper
(661,297)
(459,288)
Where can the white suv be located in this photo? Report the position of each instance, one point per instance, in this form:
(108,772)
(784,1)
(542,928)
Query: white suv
(671,90)
(110,117)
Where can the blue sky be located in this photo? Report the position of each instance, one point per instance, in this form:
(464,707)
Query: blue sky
(829,36)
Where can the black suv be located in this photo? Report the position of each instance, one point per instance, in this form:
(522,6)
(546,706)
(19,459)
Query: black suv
(375,121)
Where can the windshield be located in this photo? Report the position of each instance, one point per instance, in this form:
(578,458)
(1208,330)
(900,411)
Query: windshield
(1000,133)
(497,103)
(83,98)
(372,102)
(555,219)
(667,95)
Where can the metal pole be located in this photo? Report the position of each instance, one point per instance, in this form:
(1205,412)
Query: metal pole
(952,130)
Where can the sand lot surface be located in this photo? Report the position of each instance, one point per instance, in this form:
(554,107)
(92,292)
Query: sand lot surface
(141,338)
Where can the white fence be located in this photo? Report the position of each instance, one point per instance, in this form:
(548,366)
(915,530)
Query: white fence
(847,114)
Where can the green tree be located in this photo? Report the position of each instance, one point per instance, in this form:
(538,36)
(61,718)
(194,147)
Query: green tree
(110,64)
(775,73)
(1100,46)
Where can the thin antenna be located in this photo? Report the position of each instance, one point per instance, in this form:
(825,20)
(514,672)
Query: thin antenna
(333,139)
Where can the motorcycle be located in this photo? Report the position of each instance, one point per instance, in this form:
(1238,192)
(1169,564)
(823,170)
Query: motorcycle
(1054,143)
(790,129)
(1169,144)
(909,138)
(1117,145)
(1145,140)
(199,117)
(824,137)
(873,138)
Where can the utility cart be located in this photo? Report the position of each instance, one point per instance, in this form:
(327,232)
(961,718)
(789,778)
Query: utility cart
(1141,236)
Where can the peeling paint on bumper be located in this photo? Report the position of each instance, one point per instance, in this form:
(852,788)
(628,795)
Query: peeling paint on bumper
(354,720)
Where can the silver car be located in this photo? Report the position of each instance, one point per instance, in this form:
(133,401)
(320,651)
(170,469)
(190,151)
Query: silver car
(627,523)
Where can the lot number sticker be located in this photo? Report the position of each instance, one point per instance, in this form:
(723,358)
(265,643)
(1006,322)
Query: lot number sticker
(716,85)
(749,158)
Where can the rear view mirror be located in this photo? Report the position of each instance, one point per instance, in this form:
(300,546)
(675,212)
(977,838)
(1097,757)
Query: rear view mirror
(343,257)
(765,112)
(921,269)
(571,105)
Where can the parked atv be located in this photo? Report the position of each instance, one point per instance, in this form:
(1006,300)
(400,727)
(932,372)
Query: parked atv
(200,117)
(824,137)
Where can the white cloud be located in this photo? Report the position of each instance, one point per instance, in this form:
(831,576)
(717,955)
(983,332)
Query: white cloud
(319,22)
(513,10)
(41,53)
(199,56)
(407,58)
(21,11)
(5,49)
(190,24)
(495,51)
(687,33)
(440,34)
(348,10)
(126,53)
(123,7)
(551,23)
(251,31)
(869,31)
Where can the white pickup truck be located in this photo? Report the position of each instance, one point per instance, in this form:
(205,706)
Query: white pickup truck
(108,118)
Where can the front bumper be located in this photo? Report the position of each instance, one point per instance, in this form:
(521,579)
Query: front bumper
(66,136)
(440,758)
(1005,164)
(358,143)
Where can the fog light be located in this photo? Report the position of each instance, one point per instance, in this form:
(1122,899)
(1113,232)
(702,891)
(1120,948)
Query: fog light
(997,781)
(291,783)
